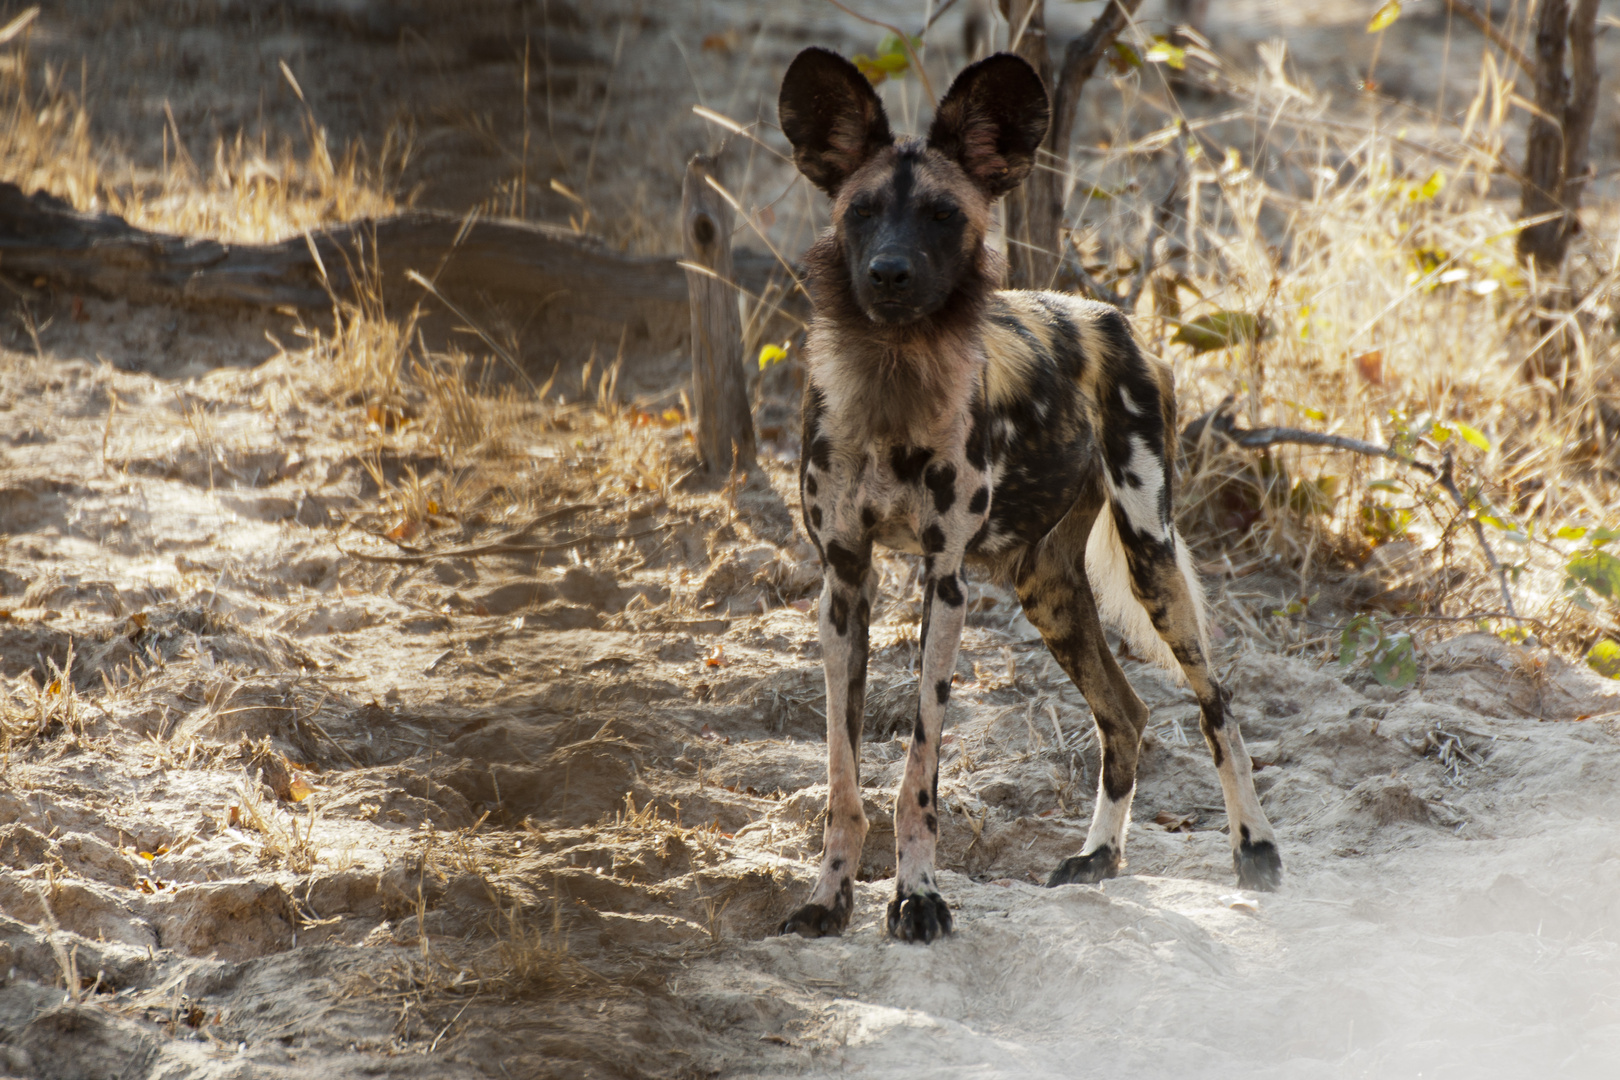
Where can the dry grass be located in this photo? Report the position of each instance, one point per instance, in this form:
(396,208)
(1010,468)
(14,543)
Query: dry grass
(246,190)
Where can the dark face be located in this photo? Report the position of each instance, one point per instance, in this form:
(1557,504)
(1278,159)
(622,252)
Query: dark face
(905,234)
(911,216)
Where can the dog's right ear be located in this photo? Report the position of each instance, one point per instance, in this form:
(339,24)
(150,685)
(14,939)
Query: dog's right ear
(832,116)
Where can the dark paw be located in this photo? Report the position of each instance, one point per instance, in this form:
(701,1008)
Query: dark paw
(813,921)
(1086,869)
(1258,865)
(919,917)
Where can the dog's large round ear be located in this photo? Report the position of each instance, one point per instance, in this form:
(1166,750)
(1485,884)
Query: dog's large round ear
(992,121)
(832,117)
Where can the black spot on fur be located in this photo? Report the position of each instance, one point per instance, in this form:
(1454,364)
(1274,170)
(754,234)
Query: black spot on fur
(815,516)
(839,610)
(949,591)
(980,500)
(837,865)
(932,822)
(821,453)
(908,462)
(942,691)
(933,540)
(922,798)
(919,734)
(978,420)
(850,566)
(978,536)
(941,480)
(809,484)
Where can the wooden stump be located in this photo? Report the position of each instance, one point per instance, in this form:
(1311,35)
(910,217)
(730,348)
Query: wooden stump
(725,425)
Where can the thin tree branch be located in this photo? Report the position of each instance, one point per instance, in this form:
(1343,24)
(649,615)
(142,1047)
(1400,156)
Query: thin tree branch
(1219,420)
(1080,58)
(905,40)
(1483,23)
(1446,481)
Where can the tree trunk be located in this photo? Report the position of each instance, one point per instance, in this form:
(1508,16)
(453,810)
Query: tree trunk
(1560,131)
(725,425)
(1034,213)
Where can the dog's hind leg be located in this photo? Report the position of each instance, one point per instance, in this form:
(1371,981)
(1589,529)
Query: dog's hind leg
(846,614)
(1057,598)
(1162,579)
(1138,421)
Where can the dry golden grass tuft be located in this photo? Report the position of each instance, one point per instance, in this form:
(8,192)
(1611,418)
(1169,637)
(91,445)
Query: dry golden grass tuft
(245,191)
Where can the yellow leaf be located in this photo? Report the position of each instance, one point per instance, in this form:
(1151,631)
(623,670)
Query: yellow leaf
(1384,16)
(1472,436)
(147,855)
(1163,52)
(55,687)
(298,790)
(771,354)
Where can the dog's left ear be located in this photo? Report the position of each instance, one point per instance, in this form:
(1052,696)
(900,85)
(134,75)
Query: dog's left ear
(992,120)
(832,117)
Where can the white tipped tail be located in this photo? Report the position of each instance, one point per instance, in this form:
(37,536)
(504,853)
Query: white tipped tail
(1117,604)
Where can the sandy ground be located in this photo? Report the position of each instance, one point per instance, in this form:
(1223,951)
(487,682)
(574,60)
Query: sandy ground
(308,802)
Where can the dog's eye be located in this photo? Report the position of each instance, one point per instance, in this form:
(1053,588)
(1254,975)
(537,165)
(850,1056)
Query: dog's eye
(944,215)
(863,211)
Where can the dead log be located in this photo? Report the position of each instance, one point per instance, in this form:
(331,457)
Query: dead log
(479,262)
(725,425)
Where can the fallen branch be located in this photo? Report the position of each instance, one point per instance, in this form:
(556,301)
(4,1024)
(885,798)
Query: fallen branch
(42,236)
(498,548)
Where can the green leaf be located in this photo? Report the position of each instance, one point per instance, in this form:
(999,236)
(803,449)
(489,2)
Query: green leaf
(1125,57)
(1385,485)
(1220,330)
(1314,414)
(891,60)
(1499,523)
(1598,571)
(1384,16)
(1394,662)
(1570,532)
(1359,631)
(1604,658)
(1603,536)
(771,354)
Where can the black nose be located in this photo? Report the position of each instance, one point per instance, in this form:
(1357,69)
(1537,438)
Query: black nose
(890,271)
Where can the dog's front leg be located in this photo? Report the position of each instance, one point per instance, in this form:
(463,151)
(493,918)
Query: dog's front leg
(954,508)
(846,615)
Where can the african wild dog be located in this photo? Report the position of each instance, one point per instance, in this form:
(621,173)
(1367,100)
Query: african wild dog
(1020,432)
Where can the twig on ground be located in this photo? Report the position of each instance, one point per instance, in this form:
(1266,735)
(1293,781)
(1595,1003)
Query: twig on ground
(1445,480)
(498,548)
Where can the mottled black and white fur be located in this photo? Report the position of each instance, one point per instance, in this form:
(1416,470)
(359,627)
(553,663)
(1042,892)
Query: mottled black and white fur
(1021,432)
